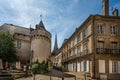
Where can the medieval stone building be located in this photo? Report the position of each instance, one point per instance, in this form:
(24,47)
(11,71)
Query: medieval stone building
(40,42)
(31,44)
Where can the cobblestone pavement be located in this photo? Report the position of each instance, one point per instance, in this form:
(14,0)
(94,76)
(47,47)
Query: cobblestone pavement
(57,76)
(43,77)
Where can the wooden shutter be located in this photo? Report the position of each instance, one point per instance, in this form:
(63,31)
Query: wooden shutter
(101,66)
(118,66)
(87,66)
(110,66)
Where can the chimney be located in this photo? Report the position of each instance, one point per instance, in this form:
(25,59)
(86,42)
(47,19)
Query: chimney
(115,12)
(105,7)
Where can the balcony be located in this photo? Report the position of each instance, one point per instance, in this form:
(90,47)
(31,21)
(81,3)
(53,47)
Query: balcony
(78,54)
(72,57)
(108,51)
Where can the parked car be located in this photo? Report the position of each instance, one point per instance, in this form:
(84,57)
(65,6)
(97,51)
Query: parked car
(6,76)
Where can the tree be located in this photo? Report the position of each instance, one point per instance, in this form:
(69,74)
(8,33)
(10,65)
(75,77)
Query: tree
(7,48)
(39,68)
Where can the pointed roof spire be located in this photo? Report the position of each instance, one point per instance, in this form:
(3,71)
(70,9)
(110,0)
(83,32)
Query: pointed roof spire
(40,25)
(55,45)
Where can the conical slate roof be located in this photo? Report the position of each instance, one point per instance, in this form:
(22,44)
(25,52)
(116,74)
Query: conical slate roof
(55,46)
(40,25)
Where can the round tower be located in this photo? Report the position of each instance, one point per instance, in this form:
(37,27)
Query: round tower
(40,43)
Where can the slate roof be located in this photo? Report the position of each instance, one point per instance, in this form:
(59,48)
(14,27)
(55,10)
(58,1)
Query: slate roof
(14,29)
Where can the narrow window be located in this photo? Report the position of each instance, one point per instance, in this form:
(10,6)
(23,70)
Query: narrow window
(19,44)
(78,37)
(85,48)
(113,30)
(85,33)
(114,66)
(100,46)
(114,47)
(100,29)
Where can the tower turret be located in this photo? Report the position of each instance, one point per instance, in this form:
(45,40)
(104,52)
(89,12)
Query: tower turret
(40,42)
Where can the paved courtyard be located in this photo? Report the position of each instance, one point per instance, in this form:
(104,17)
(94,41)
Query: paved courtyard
(43,77)
(55,75)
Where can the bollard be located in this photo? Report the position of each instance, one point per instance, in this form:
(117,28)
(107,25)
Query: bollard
(50,78)
(62,78)
(75,78)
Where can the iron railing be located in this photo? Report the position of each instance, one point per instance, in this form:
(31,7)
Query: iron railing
(107,51)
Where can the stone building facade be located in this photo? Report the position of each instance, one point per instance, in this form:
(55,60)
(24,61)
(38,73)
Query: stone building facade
(93,50)
(31,44)
(40,43)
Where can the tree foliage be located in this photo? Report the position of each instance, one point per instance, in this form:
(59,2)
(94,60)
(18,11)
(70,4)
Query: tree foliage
(7,47)
(38,67)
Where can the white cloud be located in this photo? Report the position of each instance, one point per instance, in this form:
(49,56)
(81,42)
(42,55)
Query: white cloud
(59,16)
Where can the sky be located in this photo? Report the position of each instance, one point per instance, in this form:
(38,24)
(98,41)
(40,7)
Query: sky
(60,17)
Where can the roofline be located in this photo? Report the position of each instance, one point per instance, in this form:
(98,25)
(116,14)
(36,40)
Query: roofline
(78,29)
(15,25)
(88,19)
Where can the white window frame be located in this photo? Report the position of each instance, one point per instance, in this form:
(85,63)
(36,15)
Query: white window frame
(114,66)
(101,46)
(113,30)
(85,33)
(100,29)
(85,48)
(114,46)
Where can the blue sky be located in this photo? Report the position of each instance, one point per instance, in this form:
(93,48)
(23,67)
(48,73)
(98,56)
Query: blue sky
(60,17)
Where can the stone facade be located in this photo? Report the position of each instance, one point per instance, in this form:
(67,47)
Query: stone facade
(31,44)
(40,43)
(21,40)
(93,49)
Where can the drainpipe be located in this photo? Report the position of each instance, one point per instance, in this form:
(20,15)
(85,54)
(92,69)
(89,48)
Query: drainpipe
(94,48)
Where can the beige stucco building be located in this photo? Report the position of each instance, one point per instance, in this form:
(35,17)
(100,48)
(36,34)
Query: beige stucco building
(31,44)
(93,50)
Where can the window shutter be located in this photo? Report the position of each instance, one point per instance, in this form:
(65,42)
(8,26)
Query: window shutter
(118,66)
(110,66)
(101,66)
(82,66)
(78,66)
(87,66)
(72,67)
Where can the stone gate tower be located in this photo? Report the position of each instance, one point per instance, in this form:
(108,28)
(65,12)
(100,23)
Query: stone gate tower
(40,43)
